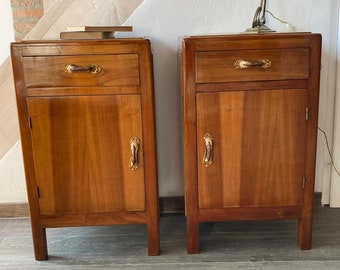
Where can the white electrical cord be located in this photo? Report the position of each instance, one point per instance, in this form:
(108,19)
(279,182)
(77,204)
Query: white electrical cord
(289,26)
(329,151)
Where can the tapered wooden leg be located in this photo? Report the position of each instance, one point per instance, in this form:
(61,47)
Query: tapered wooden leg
(192,235)
(305,231)
(153,238)
(39,243)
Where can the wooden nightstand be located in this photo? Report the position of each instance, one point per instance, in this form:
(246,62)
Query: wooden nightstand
(250,105)
(86,113)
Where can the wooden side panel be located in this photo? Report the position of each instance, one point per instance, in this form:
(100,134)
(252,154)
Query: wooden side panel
(258,148)
(82,152)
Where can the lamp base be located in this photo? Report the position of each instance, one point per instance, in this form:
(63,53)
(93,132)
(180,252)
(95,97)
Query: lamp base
(259,30)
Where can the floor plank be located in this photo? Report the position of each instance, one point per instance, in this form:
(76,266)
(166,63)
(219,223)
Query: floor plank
(232,245)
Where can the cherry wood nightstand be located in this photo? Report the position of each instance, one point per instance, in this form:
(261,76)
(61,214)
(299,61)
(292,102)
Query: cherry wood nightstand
(86,113)
(250,111)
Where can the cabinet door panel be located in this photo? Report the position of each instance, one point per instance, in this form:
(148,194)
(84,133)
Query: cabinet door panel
(258,155)
(82,153)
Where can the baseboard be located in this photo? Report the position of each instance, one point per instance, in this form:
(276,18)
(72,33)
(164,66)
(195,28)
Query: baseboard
(171,205)
(167,205)
(317,199)
(13,210)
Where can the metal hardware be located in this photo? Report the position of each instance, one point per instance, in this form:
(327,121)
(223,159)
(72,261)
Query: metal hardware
(259,20)
(262,63)
(72,68)
(303,182)
(307,113)
(208,143)
(30,122)
(134,146)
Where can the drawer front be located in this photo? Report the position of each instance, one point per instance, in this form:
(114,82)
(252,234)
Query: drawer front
(85,70)
(221,66)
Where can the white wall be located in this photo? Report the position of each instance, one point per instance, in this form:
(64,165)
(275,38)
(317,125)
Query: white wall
(6,29)
(335,180)
(165,21)
(12,183)
(58,15)
(12,178)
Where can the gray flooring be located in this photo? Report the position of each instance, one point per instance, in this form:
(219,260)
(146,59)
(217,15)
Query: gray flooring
(228,245)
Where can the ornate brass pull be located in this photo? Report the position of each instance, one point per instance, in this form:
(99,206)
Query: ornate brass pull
(262,63)
(72,68)
(208,142)
(134,146)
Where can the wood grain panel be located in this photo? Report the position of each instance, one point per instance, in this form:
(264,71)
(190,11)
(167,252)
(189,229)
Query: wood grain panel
(82,152)
(258,157)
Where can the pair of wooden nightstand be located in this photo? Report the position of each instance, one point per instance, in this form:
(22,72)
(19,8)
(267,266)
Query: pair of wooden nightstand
(87,122)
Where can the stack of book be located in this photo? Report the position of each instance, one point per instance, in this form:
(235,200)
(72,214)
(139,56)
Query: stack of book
(93,32)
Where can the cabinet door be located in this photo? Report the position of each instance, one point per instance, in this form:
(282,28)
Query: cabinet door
(82,153)
(258,148)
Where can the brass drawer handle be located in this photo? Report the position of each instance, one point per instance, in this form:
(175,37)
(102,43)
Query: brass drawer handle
(262,63)
(134,146)
(72,68)
(208,143)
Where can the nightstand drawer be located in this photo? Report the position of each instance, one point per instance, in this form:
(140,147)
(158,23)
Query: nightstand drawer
(81,70)
(251,65)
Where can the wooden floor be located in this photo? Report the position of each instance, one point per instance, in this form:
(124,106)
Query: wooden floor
(237,245)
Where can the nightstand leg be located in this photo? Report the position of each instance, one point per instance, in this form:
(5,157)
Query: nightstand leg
(305,231)
(153,237)
(40,243)
(192,235)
